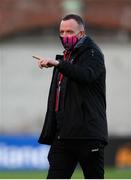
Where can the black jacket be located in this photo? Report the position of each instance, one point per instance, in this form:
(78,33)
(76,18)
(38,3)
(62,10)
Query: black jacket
(84,114)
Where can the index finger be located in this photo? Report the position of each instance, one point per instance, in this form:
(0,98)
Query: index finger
(36,57)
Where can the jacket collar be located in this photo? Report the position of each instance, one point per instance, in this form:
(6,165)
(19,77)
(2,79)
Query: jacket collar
(82,44)
(85,41)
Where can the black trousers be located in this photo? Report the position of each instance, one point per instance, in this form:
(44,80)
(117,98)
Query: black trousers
(65,154)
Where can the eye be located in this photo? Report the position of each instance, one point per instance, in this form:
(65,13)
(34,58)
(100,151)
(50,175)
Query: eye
(66,32)
(61,32)
(70,32)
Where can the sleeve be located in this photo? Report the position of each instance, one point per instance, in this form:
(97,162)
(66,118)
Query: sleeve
(89,68)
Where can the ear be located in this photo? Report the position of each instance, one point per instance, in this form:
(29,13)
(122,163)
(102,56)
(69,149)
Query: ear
(82,34)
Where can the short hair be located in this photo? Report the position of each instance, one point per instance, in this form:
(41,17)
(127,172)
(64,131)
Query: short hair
(77,18)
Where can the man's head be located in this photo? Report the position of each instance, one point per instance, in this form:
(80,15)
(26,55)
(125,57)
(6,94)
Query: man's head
(71,30)
(71,25)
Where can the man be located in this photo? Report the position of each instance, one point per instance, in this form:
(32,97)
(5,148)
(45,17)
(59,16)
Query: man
(75,123)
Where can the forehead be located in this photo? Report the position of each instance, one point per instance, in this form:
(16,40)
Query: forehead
(69,24)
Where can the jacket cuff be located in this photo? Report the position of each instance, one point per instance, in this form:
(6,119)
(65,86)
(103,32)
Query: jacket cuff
(60,63)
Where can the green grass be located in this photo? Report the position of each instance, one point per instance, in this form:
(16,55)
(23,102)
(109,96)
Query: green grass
(110,173)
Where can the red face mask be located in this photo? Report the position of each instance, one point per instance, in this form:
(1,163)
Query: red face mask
(69,41)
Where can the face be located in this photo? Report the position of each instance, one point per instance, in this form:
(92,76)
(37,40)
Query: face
(71,28)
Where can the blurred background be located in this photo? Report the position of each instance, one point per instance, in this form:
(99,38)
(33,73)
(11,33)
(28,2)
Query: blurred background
(32,28)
